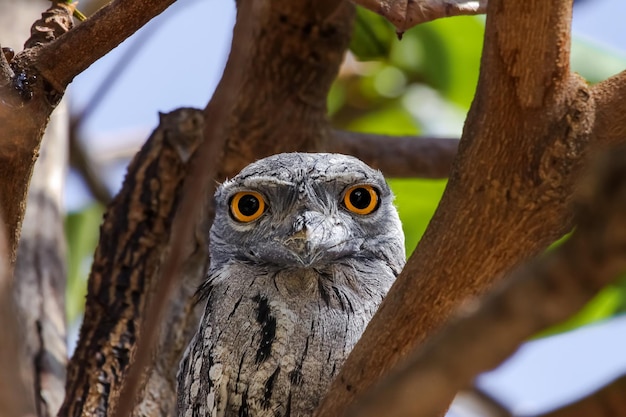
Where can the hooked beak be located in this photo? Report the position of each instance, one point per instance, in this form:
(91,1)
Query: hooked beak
(317,239)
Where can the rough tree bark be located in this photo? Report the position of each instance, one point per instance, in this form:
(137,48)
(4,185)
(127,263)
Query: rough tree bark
(133,241)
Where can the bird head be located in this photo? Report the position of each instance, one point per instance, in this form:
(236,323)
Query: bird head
(305,211)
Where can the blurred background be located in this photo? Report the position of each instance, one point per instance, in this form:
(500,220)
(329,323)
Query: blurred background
(421,85)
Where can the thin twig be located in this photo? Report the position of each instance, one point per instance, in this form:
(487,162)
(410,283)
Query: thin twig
(80,159)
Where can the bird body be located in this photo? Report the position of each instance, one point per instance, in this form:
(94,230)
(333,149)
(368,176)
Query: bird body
(303,249)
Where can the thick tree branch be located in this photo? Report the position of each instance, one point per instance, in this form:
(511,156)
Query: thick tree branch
(298,49)
(42,72)
(610,97)
(38,288)
(398,156)
(509,191)
(60,61)
(542,293)
(25,107)
(124,275)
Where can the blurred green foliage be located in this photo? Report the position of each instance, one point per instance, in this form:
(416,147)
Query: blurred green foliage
(416,200)
(82,229)
(423,84)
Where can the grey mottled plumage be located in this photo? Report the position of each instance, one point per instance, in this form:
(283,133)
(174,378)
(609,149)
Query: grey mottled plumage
(289,293)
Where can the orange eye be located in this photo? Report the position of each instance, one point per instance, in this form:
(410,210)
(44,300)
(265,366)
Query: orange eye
(247,206)
(361,199)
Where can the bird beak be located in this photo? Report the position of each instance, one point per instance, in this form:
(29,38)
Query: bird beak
(317,237)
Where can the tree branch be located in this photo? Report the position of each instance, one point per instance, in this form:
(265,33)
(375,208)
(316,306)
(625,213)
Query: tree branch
(610,124)
(60,61)
(537,295)
(80,159)
(398,156)
(38,290)
(41,74)
(405,14)
(298,49)
(509,192)
(133,241)
(25,107)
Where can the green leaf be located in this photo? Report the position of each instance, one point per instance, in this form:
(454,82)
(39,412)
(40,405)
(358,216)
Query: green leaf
(372,36)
